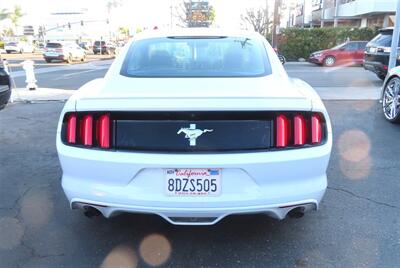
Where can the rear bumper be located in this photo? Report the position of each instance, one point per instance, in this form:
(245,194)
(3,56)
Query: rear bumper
(58,57)
(376,67)
(266,182)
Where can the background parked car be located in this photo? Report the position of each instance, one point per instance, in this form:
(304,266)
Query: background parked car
(377,53)
(351,52)
(85,45)
(63,51)
(18,47)
(103,47)
(5,87)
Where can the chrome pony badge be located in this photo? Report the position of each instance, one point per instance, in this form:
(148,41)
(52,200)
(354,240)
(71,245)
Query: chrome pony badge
(192,133)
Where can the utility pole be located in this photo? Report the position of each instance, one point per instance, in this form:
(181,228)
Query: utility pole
(275,24)
(304,14)
(395,38)
(335,20)
(323,14)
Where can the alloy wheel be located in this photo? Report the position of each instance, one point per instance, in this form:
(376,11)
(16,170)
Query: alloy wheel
(391,99)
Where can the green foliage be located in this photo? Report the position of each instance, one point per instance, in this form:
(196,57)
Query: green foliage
(297,43)
(2,44)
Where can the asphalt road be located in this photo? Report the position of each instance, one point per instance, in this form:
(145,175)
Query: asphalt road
(356,226)
(315,75)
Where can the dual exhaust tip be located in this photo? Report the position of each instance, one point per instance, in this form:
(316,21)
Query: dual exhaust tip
(91,212)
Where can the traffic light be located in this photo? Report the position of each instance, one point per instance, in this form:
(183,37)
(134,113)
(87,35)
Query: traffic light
(81,22)
(69,25)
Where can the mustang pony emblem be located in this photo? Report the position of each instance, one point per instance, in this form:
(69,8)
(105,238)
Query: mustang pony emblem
(192,133)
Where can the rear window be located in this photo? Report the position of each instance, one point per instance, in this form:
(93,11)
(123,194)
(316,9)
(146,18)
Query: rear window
(383,40)
(97,43)
(53,45)
(12,44)
(196,57)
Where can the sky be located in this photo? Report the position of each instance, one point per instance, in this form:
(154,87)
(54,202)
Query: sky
(133,13)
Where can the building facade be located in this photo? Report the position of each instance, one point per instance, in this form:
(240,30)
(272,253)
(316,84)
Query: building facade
(356,13)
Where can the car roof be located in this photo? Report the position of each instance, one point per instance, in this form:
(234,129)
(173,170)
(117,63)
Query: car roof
(195,32)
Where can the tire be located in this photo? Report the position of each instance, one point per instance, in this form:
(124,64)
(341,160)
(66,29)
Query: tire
(381,76)
(8,51)
(48,60)
(391,100)
(83,59)
(69,59)
(329,61)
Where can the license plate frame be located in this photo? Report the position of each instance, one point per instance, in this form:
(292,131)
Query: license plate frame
(192,182)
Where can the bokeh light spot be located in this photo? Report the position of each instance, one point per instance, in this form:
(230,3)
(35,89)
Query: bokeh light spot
(121,257)
(155,249)
(354,145)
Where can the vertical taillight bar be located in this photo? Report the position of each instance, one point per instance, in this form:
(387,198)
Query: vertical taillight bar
(103,131)
(316,129)
(282,131)
(71,129)
(299,130)
(86,130)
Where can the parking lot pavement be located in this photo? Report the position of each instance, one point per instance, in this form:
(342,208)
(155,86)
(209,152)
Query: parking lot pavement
(357,224)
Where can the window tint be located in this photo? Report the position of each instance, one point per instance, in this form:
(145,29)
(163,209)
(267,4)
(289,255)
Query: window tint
(361,45)
(351,46)
(53,45)
(97,43)
(196,57)
(383,40)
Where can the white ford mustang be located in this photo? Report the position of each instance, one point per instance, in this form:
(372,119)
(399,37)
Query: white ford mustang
(195,125)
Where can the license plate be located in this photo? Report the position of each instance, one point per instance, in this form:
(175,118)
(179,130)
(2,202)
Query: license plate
(51,54)
(193,182)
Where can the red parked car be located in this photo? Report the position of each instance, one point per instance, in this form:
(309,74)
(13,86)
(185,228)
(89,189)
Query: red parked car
(351,52)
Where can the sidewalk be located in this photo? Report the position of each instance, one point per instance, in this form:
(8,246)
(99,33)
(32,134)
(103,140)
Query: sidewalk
(40,94)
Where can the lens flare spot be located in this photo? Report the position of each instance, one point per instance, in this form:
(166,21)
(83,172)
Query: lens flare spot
(355,170)
(36,208)
(155,249)
(11,232)
(354,145)
(121,256)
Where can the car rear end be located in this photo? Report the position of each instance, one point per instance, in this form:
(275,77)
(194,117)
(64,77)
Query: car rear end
(99,47)
(257,149)
(54,51)
(377,53)
(12,47)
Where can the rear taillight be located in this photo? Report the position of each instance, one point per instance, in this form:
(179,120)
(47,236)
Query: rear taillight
(71,128)
(282,131)
(301,129)
(316,129)
(103,131)
(86,129)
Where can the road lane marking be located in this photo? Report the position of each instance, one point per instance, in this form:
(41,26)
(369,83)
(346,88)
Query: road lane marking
(66,76)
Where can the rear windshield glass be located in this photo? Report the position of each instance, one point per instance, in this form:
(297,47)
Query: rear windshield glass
(196,57)
(97,43)
(53,45)
(383,40)
(12,44)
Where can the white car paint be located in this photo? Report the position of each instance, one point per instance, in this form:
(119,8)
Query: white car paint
(270,182)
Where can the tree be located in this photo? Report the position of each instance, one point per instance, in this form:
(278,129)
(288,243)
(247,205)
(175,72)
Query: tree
(259,19)
(15,15)
(4,14)
(195,13)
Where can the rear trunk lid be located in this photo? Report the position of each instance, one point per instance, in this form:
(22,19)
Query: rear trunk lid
(192,94)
